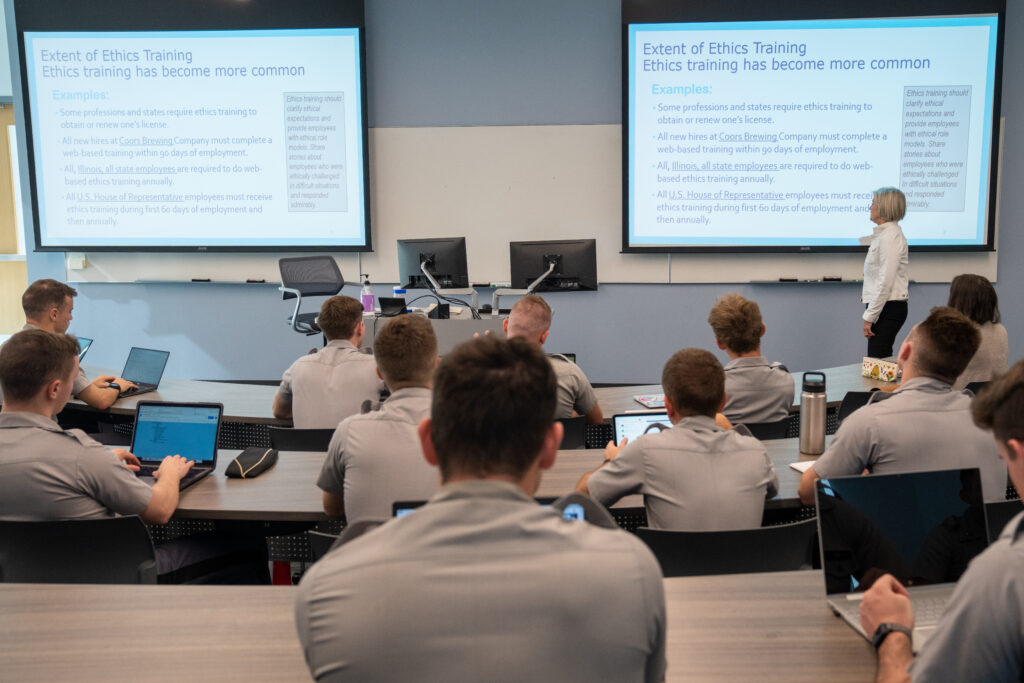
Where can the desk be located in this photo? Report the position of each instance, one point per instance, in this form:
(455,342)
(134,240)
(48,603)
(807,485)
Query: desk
(742,627)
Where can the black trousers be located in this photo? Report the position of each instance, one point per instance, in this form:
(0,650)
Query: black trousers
(888,325)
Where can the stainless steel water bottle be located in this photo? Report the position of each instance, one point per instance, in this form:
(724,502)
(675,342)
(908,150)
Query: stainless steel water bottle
(812,414)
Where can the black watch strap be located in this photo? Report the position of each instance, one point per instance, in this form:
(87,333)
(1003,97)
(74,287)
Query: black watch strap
(885,628)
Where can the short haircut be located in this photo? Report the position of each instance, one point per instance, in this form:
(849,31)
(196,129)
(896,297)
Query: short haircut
(892,203)
(31,359)
(944,343)
(694,381)
(736,322)
(1000,405)
(975,297)
(42,295)
(529,318)
(493,404)
(406,350)
(339,317)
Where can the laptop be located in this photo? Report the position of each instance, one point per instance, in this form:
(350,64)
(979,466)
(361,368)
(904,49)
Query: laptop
(83,345)
(144,367)
(921,527)
(632,425)
(186,429)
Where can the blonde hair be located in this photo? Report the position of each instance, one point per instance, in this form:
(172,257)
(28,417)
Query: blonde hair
(529,318)
(892,203)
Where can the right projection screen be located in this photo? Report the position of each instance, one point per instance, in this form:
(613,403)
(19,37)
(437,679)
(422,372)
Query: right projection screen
(771,135)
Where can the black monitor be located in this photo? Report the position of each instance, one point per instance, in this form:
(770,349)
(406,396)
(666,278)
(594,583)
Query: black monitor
(444,258)
(567,265)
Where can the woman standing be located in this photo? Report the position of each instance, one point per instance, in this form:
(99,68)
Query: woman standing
(886,280)
(975,297)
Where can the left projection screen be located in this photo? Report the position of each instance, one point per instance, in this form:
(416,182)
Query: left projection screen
(206,138)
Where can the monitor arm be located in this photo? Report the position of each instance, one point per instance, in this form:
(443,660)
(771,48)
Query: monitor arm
(552,264)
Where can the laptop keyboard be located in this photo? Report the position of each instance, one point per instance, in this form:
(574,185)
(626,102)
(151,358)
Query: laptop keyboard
(927,610)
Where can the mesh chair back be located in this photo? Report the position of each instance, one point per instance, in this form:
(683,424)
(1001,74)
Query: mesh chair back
(765,549)
(311,275)
(768,430)
(574,432)
(287,439)
(108,550)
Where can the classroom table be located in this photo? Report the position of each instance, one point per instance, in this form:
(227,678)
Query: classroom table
(740,627)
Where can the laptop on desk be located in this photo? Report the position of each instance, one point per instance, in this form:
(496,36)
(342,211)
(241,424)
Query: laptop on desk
(144,367)
(83,345)
(190,430)
(921,527)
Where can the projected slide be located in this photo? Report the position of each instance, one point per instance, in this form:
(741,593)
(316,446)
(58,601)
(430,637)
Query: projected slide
(775,133)
(219,138)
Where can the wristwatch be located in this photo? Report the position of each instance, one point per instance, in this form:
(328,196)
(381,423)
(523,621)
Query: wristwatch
(885,628)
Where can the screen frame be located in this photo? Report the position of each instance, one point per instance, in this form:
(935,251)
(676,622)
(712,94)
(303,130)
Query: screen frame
(582,252)
(450,250)
(671,11)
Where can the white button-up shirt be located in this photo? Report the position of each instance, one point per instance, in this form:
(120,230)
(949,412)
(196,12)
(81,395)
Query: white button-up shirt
(886,276)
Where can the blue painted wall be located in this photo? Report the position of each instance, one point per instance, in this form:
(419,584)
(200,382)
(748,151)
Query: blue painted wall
(465,62)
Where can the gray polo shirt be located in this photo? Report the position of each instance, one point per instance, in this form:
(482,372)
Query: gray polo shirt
(695,476)
(574,390)
(757,391)
(923,426)
(483,584)
(376,459)
(49,473)
(80,381)
(980,636)
(327,386)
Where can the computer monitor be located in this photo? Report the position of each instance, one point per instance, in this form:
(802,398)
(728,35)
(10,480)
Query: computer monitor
(559,265)
(444,258)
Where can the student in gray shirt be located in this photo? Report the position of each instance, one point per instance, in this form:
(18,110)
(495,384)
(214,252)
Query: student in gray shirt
(756,391)
(481,583)
(530,319)
(375,459)
(979,637)
(695,476)
(321,389)
(924,425)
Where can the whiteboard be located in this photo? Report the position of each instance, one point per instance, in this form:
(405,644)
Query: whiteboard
(496,184)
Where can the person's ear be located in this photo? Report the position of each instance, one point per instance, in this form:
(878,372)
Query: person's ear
(721,406)
(1014,449)
(380,376)
(504,326)
(544,336)
(549,449)
(764,328)
(426,442)
(670,409)
(720,343)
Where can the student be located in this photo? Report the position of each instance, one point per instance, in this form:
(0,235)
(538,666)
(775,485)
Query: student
(48,305)
(375,459)
(979,637)
(924,424)
(321,389)
(756,390)
(975,297)
(481,583)
(47,472)
(530,319)
(695,476)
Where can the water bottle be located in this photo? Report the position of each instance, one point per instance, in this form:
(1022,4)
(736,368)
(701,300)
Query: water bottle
(367,296)
(812,414)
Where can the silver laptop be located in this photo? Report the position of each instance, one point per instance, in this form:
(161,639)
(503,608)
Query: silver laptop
(921,527)
(144,367)
(632,425)
(190,430)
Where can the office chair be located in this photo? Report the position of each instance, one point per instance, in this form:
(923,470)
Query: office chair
(289,439)
(574,432)
(768,430)
(308,276)
(765,549)
(858,399)
(107,550)
(998,514)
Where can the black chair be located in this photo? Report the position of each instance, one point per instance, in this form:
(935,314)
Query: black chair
(288,439)
(768,430)
(859,399)
(107,550)
(574,432)
(765,549)
(308,276)
(975,387)
(998,514)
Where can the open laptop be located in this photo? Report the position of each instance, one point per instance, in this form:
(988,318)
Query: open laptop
(186,429)
(921,527)
(83,345)
(144,367)
(632,425)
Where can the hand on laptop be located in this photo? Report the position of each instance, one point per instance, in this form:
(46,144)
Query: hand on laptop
(129,459)
(886,601)
(125,384)
(611,450)
(174,467)
(102,381)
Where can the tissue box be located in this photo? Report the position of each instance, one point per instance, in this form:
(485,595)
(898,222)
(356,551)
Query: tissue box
(879,369)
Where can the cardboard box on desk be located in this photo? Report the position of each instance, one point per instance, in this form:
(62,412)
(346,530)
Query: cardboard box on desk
(879,369)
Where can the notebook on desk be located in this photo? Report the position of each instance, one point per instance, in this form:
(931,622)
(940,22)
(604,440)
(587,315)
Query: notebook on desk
(632,425)
(921,527)
(186,429)
(650,400)
(145,368)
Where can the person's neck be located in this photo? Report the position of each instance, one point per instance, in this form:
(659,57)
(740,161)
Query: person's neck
(44,325)
(529,482)
(45,409)
(396,386)
(756,353)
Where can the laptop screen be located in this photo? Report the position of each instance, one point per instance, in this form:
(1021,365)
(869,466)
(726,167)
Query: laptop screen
(921,527)
(188,430)
(145,366)
(632,425)
(83,345)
